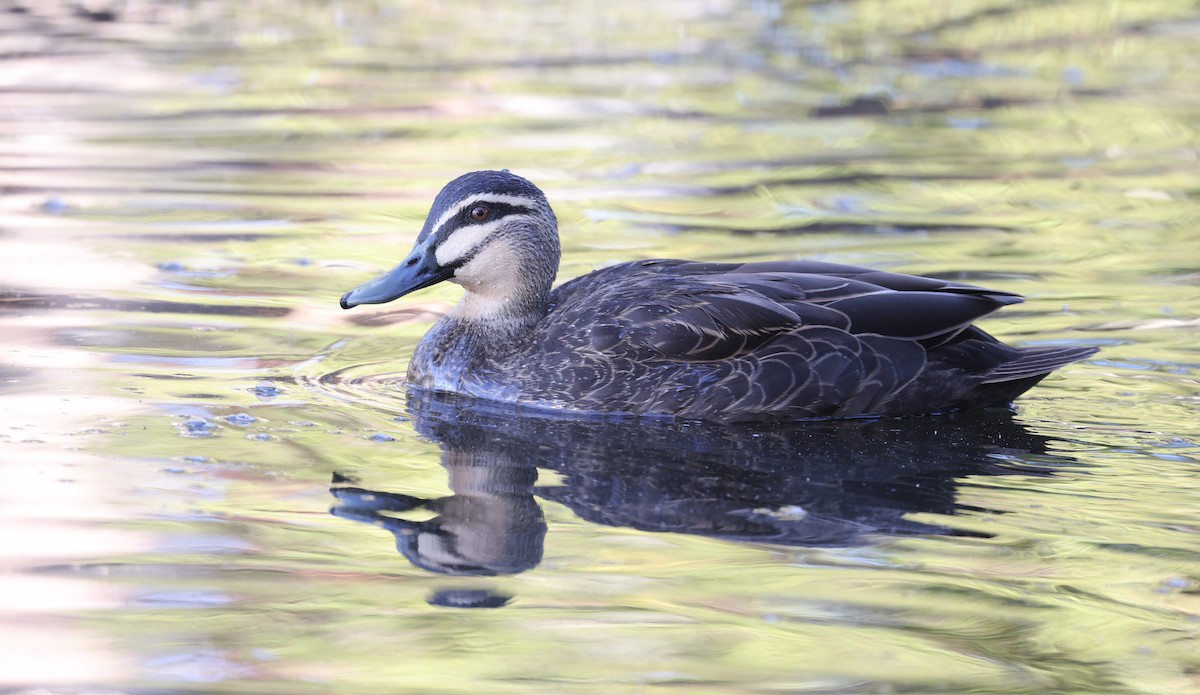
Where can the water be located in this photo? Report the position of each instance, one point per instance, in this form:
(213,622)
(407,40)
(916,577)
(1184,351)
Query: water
(188,189)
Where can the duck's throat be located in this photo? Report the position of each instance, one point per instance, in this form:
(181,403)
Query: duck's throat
(507,286)
(499,311)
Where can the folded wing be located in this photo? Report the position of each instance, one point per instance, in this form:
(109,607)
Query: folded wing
(715,311)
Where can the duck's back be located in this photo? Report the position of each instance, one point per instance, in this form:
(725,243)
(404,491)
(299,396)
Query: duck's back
(766,341)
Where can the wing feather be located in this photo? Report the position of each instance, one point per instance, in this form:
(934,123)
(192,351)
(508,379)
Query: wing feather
(688,311)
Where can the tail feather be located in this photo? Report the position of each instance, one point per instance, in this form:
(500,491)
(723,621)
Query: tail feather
(1037,361)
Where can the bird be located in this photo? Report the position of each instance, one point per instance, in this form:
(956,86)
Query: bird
(766,341)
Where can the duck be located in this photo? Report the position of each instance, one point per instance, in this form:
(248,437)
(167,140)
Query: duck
(767,341)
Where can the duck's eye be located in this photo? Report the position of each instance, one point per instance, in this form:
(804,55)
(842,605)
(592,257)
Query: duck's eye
(479,213)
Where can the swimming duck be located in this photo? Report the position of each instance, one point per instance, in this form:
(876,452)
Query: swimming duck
(728,342)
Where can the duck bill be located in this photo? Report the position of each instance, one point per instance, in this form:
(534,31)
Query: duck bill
(413,274)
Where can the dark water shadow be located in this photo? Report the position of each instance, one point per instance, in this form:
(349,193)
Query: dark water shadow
(824,484)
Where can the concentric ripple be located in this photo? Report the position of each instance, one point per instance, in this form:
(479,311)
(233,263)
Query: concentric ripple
(371,385)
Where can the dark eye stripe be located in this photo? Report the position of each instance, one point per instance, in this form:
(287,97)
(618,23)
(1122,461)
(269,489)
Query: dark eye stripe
(496,210)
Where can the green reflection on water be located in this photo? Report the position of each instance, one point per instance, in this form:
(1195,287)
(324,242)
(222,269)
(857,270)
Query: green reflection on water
(217,157)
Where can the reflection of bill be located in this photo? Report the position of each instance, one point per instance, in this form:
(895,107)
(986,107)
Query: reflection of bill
(836,483)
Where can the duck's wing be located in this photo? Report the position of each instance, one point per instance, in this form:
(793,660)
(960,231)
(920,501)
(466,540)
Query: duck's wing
(689,311)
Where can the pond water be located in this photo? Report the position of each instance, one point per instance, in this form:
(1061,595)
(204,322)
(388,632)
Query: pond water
(188,188)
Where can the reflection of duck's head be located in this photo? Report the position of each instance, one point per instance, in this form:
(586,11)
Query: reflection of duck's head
(476,538)
(490,525)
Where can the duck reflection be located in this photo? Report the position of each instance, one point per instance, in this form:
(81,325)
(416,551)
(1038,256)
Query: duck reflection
(490,525)
(811,484)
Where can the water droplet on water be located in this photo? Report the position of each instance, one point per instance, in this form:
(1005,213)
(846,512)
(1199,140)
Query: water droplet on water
(198,427)
(266,391)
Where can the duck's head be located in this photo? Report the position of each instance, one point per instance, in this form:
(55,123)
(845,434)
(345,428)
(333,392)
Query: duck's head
(491,232)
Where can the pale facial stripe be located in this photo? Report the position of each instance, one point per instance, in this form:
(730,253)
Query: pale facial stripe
(463,241)
(476,199)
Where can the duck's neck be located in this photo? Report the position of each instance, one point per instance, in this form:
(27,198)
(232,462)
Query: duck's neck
(508,288)
(500,313)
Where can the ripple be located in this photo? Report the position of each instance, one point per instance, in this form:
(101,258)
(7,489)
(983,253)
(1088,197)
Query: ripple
(372,384)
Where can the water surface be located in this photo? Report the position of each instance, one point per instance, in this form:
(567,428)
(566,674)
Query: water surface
(188,189)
